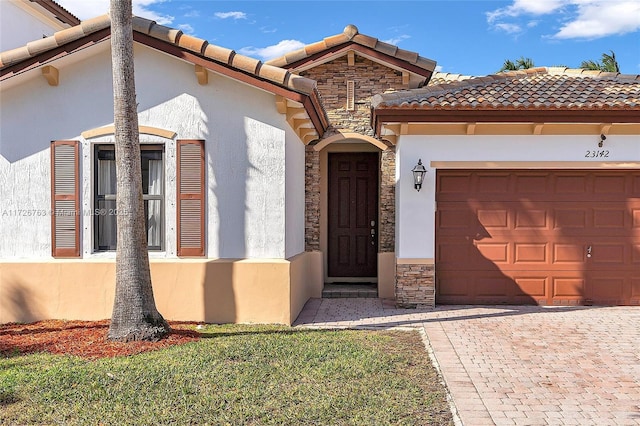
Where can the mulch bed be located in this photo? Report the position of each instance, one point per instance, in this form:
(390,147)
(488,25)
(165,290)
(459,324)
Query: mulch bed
(87,339)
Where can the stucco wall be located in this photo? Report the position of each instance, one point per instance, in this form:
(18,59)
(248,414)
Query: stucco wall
(416,210)
(255,183)
(213,291)
(20,27)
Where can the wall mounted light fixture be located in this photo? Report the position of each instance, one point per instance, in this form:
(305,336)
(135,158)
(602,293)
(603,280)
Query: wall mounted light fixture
(602,139)
(418,175)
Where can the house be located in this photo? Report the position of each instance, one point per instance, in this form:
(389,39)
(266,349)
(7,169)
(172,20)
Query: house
(263,181)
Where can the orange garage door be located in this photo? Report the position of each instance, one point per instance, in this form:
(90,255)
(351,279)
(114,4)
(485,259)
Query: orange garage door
(545,237)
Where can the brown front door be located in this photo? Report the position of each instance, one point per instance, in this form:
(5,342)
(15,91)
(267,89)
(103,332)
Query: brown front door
(353,214)
(546,237)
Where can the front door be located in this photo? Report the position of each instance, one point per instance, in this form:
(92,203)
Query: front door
(353,214)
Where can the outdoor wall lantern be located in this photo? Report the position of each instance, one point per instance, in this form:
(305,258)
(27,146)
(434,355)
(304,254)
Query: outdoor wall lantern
(418,175)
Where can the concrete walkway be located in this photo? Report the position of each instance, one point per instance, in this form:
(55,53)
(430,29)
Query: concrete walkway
(517,365)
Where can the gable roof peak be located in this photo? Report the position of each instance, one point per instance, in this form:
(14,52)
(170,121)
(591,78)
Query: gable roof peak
(350,39)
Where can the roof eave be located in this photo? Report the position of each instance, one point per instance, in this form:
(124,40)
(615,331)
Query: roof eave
(384,115)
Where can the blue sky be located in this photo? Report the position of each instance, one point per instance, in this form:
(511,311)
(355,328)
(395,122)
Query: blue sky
(472,37)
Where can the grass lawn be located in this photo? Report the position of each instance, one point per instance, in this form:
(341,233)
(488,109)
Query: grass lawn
(236,375)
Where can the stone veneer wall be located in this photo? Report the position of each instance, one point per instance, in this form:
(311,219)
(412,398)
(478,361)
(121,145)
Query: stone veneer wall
(387,206)
(415,285)
(370,79)
(312,199)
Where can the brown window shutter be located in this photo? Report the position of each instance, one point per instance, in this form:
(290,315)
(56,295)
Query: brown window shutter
(190,197)
(65,199)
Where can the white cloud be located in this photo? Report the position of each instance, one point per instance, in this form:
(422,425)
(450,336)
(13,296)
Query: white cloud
(85,9)
(396,40)
(602,18)
(528,7)
(192,14)
(509,28)
(274,51)
(232,15)
(587,19)
(186,28)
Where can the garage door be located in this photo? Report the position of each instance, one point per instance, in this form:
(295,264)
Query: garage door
(538,237)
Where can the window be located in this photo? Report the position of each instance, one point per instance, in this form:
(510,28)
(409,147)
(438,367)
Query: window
(105,212)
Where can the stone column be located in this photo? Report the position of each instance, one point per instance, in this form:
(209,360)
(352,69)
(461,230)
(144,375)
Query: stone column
(415,285)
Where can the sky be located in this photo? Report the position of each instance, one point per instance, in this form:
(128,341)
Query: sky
(469,37)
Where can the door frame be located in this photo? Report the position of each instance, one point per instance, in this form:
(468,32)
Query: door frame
(348,147)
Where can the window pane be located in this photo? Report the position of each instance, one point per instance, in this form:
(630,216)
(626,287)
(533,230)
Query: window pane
(106,224)
(106,177)
(153,213)
(153,182)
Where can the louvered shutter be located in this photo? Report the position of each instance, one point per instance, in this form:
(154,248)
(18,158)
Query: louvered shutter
(65,199)
(191,200)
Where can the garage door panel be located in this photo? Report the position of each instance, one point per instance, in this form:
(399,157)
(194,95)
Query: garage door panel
(570,184)
(568,287)
(449,254)
(607,290)
(526,253)
(610,218)
(527,184)
(603,184)
(532,286)
(608,255)
(570,218)
(635,287)
(456,183)
(492,184)
(568,253)
(493,218)
(453,217)
(635,221)
(494,252)
(458,286)
(531,219)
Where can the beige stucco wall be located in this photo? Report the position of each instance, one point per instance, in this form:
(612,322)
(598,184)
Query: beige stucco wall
(213,291)
(306,280)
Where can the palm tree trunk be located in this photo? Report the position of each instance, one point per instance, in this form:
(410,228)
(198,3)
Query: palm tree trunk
(135,316)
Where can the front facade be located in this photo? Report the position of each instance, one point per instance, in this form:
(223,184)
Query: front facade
(253,205)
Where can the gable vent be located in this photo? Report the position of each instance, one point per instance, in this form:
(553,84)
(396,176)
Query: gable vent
(351,95)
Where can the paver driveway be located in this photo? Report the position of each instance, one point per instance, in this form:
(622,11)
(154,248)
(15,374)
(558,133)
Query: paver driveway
(518,365)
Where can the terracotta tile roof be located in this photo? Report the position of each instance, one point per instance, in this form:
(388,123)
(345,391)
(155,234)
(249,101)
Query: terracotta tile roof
(176,37)
(533,89)
(352,35)
(58,11)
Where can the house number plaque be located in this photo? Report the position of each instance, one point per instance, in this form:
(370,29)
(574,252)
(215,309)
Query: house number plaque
(597,153)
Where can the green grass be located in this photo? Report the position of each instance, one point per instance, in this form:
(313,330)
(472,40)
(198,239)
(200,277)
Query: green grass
(236,375)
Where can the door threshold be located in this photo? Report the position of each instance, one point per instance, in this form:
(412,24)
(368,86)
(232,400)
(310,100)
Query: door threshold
(349,290)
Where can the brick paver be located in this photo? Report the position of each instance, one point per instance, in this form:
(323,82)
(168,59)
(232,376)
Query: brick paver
(517,365)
